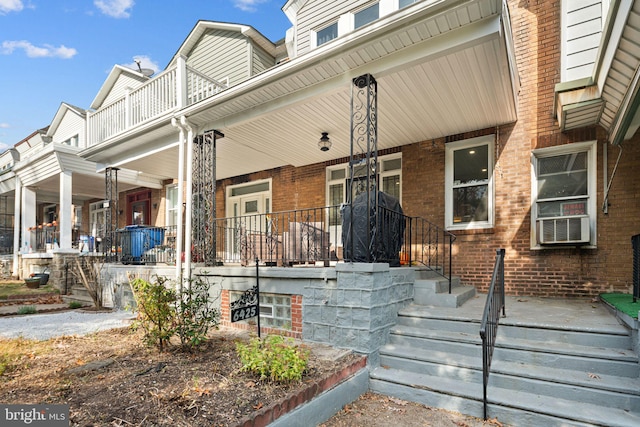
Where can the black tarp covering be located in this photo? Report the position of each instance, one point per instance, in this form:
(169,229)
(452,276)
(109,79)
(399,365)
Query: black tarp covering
(387,237)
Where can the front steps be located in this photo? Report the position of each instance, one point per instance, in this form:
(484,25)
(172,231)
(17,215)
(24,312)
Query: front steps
(540,376)
(79,294)
(430,288)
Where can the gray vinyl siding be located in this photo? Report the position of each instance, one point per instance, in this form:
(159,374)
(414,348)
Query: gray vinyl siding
(261,60)
(582,31)
(316,14)
(120,88)
(220,54)
(70,125)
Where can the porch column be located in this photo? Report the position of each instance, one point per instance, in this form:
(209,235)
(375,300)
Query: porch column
(64,221)
(179,233)
(28,215)
(16,227)
(189,208)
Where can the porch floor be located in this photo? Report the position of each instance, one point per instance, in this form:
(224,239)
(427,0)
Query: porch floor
(555,313)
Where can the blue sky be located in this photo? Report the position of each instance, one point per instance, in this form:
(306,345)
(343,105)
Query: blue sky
(54,51)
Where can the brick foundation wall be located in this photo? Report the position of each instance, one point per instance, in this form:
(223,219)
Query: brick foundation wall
(296,318)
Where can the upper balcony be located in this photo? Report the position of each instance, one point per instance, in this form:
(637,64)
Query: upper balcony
(177,87)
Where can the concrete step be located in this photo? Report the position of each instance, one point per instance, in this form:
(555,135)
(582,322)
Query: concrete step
(513,407)
(541,376)
(435,292)
(605,337)
(79,294)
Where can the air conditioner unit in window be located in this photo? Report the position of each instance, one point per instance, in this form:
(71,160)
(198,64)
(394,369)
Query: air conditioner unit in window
(564,230)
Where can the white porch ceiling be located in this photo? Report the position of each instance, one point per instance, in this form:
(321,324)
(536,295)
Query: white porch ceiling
(440,71)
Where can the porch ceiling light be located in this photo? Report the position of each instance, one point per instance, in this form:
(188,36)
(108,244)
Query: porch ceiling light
(325,143)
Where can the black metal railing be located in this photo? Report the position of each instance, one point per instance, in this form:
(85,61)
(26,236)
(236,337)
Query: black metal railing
(6,240)
(142,244)
(635,243)
(46,237)
(306,236)
(490,320)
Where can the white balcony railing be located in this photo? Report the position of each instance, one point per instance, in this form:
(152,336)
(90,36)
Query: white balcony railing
(175,88)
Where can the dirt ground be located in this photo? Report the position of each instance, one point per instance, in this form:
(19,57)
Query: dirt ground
(111,379)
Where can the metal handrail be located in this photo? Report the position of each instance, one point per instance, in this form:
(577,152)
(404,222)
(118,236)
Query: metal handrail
(490,320)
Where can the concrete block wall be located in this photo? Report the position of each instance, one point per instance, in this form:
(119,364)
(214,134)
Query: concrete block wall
(358,309)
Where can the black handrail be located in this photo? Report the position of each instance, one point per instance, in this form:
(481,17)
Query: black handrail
(490,319)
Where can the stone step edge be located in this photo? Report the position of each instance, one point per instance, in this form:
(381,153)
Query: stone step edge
(501,397)
(568,377)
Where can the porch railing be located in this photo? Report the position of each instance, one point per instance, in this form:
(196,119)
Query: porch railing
(161,94)
(490,320)
(635,244)
(314,236)
(146,245)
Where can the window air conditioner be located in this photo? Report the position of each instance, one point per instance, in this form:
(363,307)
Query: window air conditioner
(564,230)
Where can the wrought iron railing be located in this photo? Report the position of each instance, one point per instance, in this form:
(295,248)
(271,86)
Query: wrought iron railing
(141,244)
(46,237)
(428,245)
(490,319)
(306,236)
(635,243)
(315,236)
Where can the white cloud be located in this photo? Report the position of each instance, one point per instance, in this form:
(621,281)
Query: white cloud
(45,51)
(7,6)
(145,62)
(115,8)
(248,5)
(4,126)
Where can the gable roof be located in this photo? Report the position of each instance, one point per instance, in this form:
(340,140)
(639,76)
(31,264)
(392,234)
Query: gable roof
(62,110)
(111,80)
(203,26)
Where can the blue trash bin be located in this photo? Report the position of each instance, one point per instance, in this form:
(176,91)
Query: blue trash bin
(136,240)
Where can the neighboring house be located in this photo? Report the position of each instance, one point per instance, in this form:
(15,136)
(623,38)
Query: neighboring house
(501,122)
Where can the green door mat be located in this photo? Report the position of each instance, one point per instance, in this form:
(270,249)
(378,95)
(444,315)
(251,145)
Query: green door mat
(623,303)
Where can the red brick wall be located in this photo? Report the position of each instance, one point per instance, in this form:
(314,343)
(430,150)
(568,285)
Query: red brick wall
(570,272)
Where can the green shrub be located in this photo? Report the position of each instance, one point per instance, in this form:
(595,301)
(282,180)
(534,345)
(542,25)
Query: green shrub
(164,312)
(194,314)
(27,309)
(274,358)
(156,310)
(75,304)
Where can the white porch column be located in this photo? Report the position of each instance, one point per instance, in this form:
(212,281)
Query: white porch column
(17,204)
(189,196)
(179,233)
(28,215)
(64,221)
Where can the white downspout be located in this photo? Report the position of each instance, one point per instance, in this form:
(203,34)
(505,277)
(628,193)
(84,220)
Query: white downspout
(17,238)
(179,232)
(188,211)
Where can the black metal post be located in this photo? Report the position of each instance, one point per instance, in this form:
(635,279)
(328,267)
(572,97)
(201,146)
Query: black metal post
(258,294)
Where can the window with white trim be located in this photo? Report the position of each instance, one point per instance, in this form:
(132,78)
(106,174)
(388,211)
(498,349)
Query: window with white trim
(564,195)
(405,3)
(327,34)
(469,183)
(389,179)
(366,15)
(172,206)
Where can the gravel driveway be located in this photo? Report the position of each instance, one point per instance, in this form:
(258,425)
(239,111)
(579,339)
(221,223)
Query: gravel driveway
(76,322)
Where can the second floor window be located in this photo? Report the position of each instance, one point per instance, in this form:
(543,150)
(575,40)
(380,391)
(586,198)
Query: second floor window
(364,16)
(327,34)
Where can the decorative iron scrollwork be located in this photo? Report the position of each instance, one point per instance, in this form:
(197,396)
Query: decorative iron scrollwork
(248,298)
